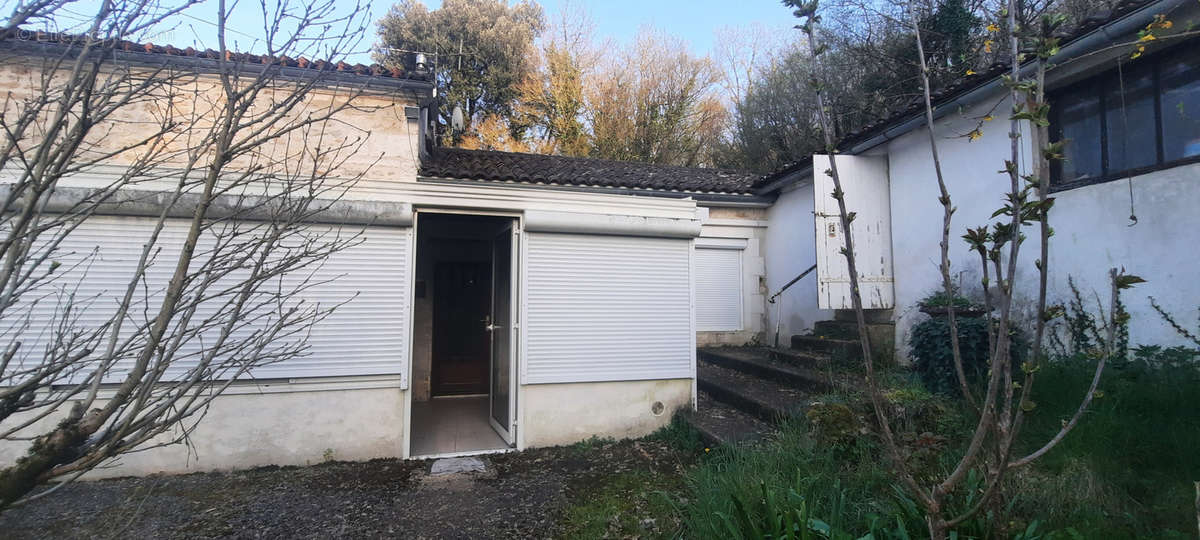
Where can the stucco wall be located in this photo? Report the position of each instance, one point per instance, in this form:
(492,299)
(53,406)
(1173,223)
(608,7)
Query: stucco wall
(385,143)
(1092,232)
(284,423)
(976,189)
(790,241)
(554,414)
(750,225)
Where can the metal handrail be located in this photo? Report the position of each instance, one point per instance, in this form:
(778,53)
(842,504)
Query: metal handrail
(792,282)
(779,315)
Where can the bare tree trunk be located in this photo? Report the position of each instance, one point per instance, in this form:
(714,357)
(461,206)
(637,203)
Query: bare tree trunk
(1000,408)
(947,216)
(811,29)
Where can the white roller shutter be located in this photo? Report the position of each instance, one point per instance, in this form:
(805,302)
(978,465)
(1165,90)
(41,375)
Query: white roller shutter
(718,289)
(365,336)
(607,308)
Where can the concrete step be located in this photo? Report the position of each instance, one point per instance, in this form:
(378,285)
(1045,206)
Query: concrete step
(839,349)
(871,315)
(797,358)
(769,364)
(765,399)
(719,423)
(881,333)
(836,329)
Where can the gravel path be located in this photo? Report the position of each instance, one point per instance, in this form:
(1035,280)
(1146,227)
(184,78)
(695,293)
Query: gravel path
(523,496)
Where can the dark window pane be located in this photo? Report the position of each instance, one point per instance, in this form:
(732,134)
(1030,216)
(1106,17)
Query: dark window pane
(1079,125)
(1181,106)
(1132,135)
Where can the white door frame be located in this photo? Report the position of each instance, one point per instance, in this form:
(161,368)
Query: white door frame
(508,433)
(519,346)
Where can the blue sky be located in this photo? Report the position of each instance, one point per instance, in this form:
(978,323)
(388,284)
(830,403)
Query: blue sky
(695,21)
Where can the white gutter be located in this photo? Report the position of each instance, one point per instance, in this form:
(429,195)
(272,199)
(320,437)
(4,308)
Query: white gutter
(611,224)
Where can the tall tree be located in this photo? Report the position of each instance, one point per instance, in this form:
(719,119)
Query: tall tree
(550,105)
(550,102)
(775,119)
(657,103)
(991,452)
(872,68)
(481,49)
(747,53)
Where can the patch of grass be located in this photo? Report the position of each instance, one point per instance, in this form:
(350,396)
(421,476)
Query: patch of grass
(844,487)
(680,435)
(633,504)
(1125,472)
(1127,469)
(591,444)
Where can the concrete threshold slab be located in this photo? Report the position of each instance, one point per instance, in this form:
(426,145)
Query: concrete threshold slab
(457,465)
(457,473)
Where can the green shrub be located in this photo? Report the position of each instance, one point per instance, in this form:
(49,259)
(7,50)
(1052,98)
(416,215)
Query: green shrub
(940,299)
(834,423)
(795,486)
(933,359)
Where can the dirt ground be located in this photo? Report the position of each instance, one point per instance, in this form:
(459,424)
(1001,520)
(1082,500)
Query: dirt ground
(526,495)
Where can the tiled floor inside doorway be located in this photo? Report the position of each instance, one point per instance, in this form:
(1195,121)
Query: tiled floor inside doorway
(452,424)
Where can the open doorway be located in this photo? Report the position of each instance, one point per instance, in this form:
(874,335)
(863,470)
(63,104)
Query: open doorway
(464,334)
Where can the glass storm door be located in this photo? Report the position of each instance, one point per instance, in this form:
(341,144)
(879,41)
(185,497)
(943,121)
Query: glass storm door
(503,329)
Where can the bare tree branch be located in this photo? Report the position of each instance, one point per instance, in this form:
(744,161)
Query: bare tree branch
(207,299)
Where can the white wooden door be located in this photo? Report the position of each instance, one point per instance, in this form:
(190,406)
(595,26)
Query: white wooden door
(865,183)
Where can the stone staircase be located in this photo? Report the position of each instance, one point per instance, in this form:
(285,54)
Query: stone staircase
(745,391)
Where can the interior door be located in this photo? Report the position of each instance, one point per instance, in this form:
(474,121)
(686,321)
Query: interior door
(462,297)
(865,183)
(503,329)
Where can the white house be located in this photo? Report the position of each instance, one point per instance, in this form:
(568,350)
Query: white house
(1136,154)
(508,301)
(497,301)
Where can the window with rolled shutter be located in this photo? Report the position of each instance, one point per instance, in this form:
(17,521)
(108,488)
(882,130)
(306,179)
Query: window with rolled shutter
(607,308)
(718,289)
(368,282)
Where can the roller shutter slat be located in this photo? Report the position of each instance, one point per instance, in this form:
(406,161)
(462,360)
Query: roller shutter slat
(718,289)
(607,308)
(365,336)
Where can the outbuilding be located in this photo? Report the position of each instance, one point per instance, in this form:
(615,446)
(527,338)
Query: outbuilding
(493,301)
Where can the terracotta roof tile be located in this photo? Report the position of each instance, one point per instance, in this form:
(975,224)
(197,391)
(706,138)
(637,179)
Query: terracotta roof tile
(494,166)
(373,70)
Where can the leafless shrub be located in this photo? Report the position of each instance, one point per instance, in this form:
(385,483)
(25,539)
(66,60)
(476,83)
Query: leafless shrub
(230,161)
